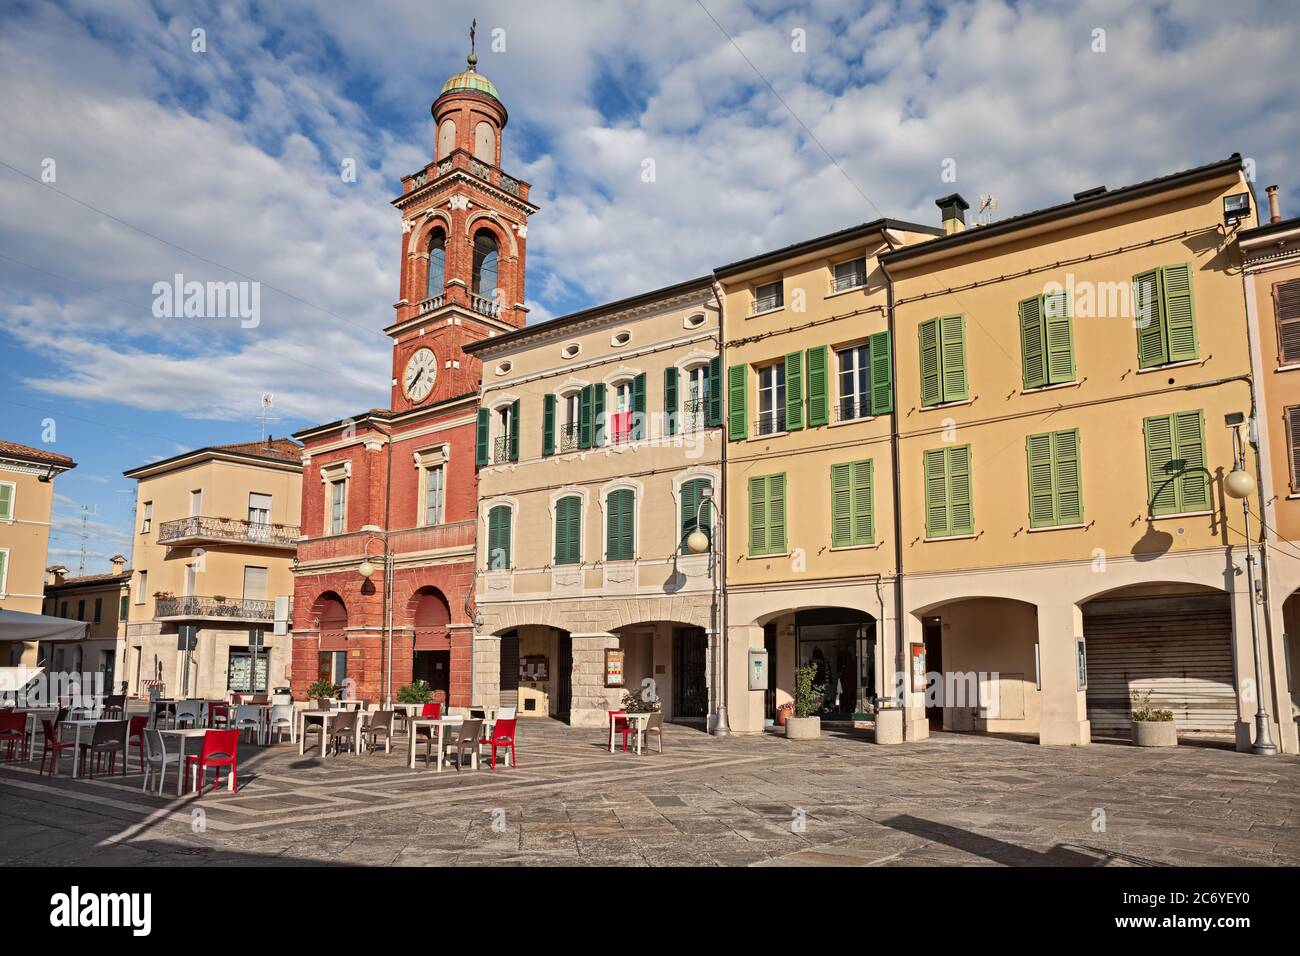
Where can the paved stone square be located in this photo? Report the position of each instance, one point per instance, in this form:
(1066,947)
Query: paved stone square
(840,801)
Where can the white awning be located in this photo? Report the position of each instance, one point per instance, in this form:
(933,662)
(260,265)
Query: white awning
(19,626)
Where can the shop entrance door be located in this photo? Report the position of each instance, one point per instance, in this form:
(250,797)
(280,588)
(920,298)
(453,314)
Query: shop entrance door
(840,643)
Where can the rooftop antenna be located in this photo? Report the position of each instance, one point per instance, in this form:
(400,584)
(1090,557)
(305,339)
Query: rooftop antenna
(268,400)
(85,535)
(988,206)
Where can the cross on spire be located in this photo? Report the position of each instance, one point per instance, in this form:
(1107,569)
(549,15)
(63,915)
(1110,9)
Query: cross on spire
(472,59)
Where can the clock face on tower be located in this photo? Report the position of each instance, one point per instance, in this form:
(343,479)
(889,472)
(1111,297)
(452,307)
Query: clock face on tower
(417,380)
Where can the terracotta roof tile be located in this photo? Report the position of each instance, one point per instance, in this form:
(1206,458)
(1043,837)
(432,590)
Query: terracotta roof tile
(14,450)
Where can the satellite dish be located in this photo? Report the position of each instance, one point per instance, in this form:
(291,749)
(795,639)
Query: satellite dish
(267,399)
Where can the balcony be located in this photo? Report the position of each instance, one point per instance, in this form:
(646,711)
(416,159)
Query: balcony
(569,437)
(433,302)
(198,607)
(767,303)
(202,529)
(692,417)
(853,280)
(452,536)
(852,407)
(485,306)
(770,423)
(463,161)
(501,449)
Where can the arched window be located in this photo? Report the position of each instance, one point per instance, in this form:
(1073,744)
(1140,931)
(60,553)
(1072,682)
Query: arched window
(498,550)
(568,530)
(446,138)
(485,264)
(694,503)
(437,264)
(485,143)
(620,520)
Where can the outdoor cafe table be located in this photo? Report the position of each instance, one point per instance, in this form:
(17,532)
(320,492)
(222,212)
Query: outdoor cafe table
(32,723)
(325,717)
(182,735)
(440,723)
(639,719)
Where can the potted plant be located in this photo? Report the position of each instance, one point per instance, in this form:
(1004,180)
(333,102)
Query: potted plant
(417,692)
(802,724)
(1152,727)
(321,688)
(634,703)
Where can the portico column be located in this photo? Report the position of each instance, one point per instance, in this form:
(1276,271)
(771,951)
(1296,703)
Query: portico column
(916,726)
(1243,667)
(487,670)
(1063,707)
(744,706)
(591,699)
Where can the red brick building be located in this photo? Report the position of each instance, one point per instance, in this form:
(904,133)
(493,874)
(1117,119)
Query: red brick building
(385,575)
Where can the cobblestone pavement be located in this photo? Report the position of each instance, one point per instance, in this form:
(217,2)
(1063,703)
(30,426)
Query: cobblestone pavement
(950,800)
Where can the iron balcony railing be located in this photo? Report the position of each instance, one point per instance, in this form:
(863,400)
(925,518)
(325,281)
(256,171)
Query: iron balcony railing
(203,527)
(770,423)
(766,304)
(569,437)
(693,412)
(854,280)
(204,606)
(500,449)
(850,407)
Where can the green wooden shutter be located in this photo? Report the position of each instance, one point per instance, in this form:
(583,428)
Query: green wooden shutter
(776,513)
(841,505)
(1033,350)
(584,417)
(670,400)
(715,391)
(481,438)
(1067,477)
(1179,313)
(1149,308)
(1058,337)
(864,509)
(819,408)
(1189,448)
(960,506)
(737,396)
(931,381)
(952,356)
(598,415)
(620,508)
(6,502)
(936,493)
(793,391)
(514,431)
(1042,496)
(690,504)
(498,556)
(548,425)
(882,373)
(568,530)
(1162,493)
(638,408)
(757,515)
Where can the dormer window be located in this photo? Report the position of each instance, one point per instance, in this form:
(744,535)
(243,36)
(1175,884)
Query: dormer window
(849,275)
(768,297)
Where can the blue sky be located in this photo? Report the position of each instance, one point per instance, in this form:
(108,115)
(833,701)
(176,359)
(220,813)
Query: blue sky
(225,163)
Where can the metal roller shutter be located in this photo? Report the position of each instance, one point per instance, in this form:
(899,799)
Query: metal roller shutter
(1178,648)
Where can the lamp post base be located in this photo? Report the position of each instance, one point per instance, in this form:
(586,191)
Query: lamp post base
(720,728)
(1264,745)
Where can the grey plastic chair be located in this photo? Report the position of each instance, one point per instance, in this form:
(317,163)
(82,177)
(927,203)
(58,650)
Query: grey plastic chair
(654,725)
(463,743)
(344,729)
(381,724)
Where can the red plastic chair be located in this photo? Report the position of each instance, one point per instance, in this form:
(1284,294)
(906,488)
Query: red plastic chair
(135,735)
(433,710)
(219,750)
(13,730)
(622,725)
(218,715)
(503,736)
(53,746)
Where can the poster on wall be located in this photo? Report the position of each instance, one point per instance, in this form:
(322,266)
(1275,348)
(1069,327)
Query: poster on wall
(757,668)
(534,667)
(1081,663)
(614,667)
(918,668)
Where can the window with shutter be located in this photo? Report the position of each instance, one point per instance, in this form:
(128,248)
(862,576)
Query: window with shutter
(1177,480)
(852,517)
(585,417)
(568,530)
(737,398)
(1286,307)
(819,407)
(481,438)
(513,433)
(620,514)
(793,391)
(692,495)
(498,553)
(942,344)
(670,400)
(1166,315)
(4,570)
(1055,493)
(1047,340)
(767,531)
(882,373)
(7,492)
(638,408)
(1293,444)
(949,510)
(715,393)
(548,425)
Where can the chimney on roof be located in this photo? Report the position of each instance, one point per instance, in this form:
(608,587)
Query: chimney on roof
(952,210)
(118,562)
(1274,210)
(54,574)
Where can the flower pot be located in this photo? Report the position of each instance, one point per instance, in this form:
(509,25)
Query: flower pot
(803,728)
(783,713)
(1154,733)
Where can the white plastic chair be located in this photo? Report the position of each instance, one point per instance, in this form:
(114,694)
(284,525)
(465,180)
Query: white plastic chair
(157,758)
(281,717)
(189,710)
(248,717)
(506,713)
(278,699)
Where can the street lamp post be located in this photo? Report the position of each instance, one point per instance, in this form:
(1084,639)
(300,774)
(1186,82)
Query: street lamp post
(698,543)
(1239,484)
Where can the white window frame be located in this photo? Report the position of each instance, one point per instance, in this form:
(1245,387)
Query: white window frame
(4,573)
(251,509)
(862,394)
(196,502)
(337,510)
(836,279)
(776,390)
(779,295)
(146,524)
(142,586)
(620,404)
(13,502)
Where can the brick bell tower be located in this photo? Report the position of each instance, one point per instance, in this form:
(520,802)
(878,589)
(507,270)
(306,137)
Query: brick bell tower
(464,232)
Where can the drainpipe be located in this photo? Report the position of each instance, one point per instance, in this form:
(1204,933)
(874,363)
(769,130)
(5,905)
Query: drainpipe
(718,584)
(388,579)
(900,632)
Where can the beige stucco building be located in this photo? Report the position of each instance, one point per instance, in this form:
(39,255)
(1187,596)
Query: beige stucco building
(216,531)
(26,503)
(1271,264)
(103,602)
(598,447)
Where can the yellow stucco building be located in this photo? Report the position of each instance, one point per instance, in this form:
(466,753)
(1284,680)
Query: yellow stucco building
(103,602)
(598,448)
(26,503)
(216,531)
